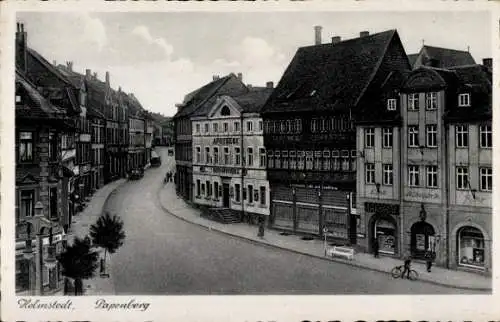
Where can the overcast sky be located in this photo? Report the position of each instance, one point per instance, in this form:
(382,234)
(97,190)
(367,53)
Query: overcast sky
(162,56)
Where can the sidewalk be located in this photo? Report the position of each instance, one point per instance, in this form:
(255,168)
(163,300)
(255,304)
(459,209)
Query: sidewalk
(449,278)
(80,228)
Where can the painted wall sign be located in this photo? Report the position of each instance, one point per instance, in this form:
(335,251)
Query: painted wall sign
(422,195)
(225,170)
(224,141)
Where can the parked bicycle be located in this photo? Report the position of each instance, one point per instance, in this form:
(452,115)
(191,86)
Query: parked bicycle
(397,272)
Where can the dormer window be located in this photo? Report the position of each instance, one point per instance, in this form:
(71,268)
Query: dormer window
(464,99)
(391,104)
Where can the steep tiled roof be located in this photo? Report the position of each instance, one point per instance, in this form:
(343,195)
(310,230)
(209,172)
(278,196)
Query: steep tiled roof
(329,76)
(445,57)
(254,100)
(196,98)
(38,106)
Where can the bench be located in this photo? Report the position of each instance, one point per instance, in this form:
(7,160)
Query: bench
(341,251)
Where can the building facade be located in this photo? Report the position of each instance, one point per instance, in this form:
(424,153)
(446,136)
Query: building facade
(229,165)
(136,150)
(427,174)
(309,130)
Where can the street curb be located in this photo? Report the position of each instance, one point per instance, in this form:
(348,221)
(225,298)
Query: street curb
(111,193)
(308,254)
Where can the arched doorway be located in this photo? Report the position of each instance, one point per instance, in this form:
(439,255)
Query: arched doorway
(422,239)
(385,232)
(470,247)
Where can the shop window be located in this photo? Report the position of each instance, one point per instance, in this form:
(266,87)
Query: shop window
(422,239)
(385,233)
(470,247)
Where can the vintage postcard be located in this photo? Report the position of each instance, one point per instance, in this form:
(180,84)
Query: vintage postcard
(263,162)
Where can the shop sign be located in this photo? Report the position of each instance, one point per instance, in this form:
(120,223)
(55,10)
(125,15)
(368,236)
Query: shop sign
(226,141)
(383,208)
(422,195)
(225,170)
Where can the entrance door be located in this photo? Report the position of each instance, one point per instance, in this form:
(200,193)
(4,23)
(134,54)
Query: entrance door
(225,195)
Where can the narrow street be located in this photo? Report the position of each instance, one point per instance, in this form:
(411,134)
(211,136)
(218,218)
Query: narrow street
(164,255)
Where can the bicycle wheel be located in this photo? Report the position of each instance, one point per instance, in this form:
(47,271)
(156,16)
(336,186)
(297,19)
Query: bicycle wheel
(396,272)
(413,275)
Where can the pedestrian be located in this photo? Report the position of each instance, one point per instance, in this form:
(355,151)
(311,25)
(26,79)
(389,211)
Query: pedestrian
(429,257)
(407,266)
(375,247)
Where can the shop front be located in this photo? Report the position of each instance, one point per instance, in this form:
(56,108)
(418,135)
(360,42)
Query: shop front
(385,233)
(471,247)
(383,227)
(423,239)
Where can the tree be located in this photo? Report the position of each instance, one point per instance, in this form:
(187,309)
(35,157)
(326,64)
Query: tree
(107,233)
(79,262)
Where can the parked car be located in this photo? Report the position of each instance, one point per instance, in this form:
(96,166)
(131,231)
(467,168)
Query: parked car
(155,159)
(136,174)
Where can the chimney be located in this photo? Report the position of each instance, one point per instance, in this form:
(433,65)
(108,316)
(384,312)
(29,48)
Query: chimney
(107,78)
(488,62)
(54,63)
(317,35)
(336,40)
(179,107)
(240,77)
(364,34)
(94,76)
(215,77)
(269,85)
(69,65)
(88,73)
(21,48)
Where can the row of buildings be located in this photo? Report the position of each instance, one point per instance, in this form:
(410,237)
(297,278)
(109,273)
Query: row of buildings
(74,133)
(358,141)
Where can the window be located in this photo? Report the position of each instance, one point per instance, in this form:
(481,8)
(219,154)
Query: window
(226,155)
(464,100)
(298,125)
(53,153)
(462,177)
(260,126)
(314,125)
(293,159)
(270,159)
(26,146)
(249,126)
(237,156)
(300,160)
(345,160)
(53,203)
(250,193)
(206,127)
(197,128)
(202,189)
(413,102)
(486,175)
(282,127)
(462,136)
(369,137)
(209,190)
(198,188)
(431,173)
(335,160)
(27,203)
(236,126)
(284,158)
(387,174)
(413,136)
(207,155)
(18,98)
(309,160)
(216,155)
(387,137)
(262,157)
(215,127)
(225,127)
(391,104)
(198,154)
(318,160)
(431,135)
(485,139)
(250,157)
(262,195)
(370,173)
(237,192)
(216,190)
(413,176)
(431,101)
(326,160)
(277,159)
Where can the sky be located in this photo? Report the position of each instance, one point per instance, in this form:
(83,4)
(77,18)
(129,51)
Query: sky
(162,56)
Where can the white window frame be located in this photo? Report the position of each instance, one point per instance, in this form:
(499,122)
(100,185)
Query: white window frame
(388,177)
(301,160)
(431,176)
(250,156)
(413,139)
(370,173)
(215,127)
(207,127)
(207,155)
(464,100)
(284,159)
(249,126)
(369,137)
(225,127)
(237,156)
(462,136)
(462,172)
(261,126)
(314,125)
(387,137)
(262,157)
(309,160)
(227,155)
(236,126)
(413,176)
(215,155)
(198,154)
(431,101)
(413,103)
(198,128)
(392,104)
(486,131)
(487,173)
(431,135)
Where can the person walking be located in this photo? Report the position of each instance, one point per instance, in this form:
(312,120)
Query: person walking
(429,257)
(375,247)
(407,266)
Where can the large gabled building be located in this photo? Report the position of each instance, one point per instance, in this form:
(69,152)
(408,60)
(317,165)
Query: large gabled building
(309,131)
(440,57)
